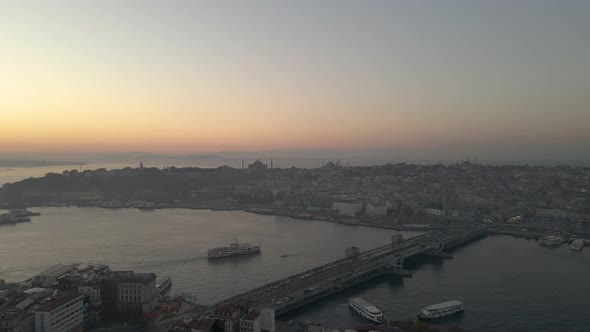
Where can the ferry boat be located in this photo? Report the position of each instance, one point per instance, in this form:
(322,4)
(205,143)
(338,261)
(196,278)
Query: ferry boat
(20,213)
(15,216)
(441,310)
(577,244)
(233,249)
(551,241)
(366,309)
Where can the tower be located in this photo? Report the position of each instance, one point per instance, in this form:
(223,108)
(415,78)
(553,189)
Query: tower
(271,165)
(141,165)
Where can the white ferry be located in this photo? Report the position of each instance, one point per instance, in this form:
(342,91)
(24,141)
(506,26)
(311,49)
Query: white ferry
(577,244)
(551,241)
(366,309)
(233,249)
(441,310)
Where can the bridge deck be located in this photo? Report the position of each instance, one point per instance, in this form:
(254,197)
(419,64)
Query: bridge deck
(296,290)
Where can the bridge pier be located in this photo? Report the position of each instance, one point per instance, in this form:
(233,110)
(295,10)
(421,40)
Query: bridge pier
(436,253)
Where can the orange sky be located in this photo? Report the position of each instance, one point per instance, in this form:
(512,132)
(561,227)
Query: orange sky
(200,77)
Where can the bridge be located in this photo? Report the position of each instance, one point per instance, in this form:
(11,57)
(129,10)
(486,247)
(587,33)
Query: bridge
(300,289)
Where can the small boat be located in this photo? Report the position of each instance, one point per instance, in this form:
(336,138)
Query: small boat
(441,310)
(284,256)
(551,241)
(366,310)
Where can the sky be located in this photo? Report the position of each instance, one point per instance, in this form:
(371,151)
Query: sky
(498,78)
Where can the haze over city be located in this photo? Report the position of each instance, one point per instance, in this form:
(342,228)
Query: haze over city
(505,80)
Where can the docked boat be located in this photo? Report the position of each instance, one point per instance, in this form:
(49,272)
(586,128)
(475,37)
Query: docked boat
(441,310)
(551,241)
(20,213)
(15,216)
(233,249)
(366,309)
(163,284)
(577,244)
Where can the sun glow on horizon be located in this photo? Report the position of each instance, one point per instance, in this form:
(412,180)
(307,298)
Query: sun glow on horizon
(203,77)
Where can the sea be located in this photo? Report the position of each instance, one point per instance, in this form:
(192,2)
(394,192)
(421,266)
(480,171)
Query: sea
(506,284)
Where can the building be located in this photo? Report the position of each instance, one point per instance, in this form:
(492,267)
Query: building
(195,325)
(348,208)
(268,319)
(49,277)
(376,210)
(257,165)
(251,322)
(229,314)
(17,321)
(60,315)
(92,291)
(129,292)
(69,282)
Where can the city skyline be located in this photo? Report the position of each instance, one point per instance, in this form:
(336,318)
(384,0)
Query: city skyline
(498,79)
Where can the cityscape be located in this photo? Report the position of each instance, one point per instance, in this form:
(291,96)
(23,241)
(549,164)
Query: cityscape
(296,166)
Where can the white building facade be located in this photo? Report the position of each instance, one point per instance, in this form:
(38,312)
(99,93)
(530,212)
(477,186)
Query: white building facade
(348,208)
(60,315)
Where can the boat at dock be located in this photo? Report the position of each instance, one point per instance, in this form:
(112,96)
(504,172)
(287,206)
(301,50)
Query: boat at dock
(17,216)
(440,310)
(551,241)
(233,249)
(366,309)
(19,213)
(577,244)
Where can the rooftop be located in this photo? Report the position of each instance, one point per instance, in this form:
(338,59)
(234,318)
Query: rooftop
(132,276)
(56,303)
(227,309)
(200,324)
(252,315)
(14,315)
(57,270)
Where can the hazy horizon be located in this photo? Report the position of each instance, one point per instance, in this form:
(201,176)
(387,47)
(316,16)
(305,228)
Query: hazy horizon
(298,158)
(422,80)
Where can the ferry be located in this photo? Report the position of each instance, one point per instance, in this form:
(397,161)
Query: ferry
(366,310)
(441,310)
(551,241)
(577,244)
(13,217)
(163,284)
(23,213)
(233,249)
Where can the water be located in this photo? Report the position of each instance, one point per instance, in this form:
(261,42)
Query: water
(507,284)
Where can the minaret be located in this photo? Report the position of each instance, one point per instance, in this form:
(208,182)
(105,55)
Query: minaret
(271,163)
(242,163)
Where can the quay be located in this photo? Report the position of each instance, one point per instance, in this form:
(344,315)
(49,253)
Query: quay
(357,267)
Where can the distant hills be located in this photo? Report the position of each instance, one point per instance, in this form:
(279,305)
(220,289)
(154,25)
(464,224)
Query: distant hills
(36,163)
